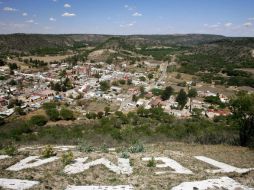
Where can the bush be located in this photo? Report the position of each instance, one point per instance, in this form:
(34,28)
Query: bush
(53,114)
(67,158)
(67,114)
(39,120)
(151,163)
(124,155)
(84,147)
(47,152)
(91,115)
(9,150)
(136,148)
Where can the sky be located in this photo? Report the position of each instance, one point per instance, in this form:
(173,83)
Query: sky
(123,17)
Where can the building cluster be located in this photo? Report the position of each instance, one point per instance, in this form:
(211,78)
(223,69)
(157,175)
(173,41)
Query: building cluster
(30,91)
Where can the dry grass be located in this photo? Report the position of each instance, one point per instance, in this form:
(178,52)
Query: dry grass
(48,58)
(52,176)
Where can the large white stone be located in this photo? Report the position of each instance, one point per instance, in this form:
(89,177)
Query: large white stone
(79,166)
(220,183)
(17,184)
(120,187)
(178,168)
(31,162)
(2,157)
(224,168)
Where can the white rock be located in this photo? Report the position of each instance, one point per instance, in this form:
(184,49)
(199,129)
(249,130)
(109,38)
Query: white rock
(179,169)
(224,168)
(220,183)
(2,157)
(79,166)
(31,162)
(120,187)
(17,184)
(64,148)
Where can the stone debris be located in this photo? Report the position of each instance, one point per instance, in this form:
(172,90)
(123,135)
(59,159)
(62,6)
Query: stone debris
(79,166)
(2,157)
(64,148)
(120,187)
(179,169)
(17,184)
(31,162)
(224,168)
(220,183)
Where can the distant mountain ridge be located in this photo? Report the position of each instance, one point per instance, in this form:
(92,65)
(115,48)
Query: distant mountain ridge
(28,42)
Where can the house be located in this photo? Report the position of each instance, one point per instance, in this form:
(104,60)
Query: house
(116,89)
(156,102)
(45,94)
(211,113)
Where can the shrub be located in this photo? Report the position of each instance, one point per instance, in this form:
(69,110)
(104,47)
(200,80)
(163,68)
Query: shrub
(151,163)
(53,114)
(84,147)
(67,114)
(136,148)
(67,158)
(124,155)
(91,115)
(48,152)
(104,148)
(9,150)
(39,120)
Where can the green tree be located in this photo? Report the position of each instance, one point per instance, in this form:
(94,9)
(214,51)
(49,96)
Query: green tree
(167,93)
(134,98)
(182,98)
(107,110)
(150,76)
(142,91)
(104,85)
(242,107)
(142,78)
(39,120)
(67,114)
(2,121)
(192,94)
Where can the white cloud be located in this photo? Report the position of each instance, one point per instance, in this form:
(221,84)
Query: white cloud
(136,14)
(128,25)
(52,19)
(9,9)
(213,25)
(30,21)
(68,14)
(247,24)
(129,8)
(24,14)
(54,0)
(228,24)
(251,18)
(67,5)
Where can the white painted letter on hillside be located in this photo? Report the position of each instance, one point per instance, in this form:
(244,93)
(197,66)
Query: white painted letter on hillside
(31,162)
(120,187)
(220,183)
(17,184)
(79,166)
(224,168)
(179,169)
